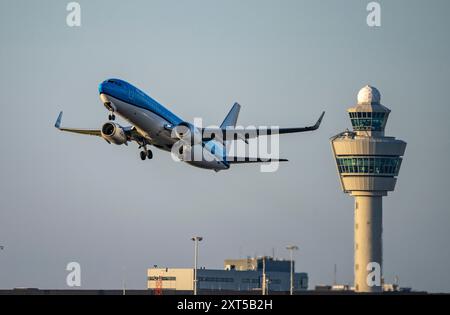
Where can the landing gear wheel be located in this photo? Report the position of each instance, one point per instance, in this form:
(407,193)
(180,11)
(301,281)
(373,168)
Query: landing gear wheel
(149,154)
(143,155)
(112,117)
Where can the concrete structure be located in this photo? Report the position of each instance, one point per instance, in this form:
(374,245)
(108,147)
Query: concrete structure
(238,275)
(368,163)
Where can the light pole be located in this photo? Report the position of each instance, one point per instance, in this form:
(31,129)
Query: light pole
(264,278)
(291,249)
(124,283)
(196,239)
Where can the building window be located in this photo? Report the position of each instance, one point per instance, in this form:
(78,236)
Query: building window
(156,278)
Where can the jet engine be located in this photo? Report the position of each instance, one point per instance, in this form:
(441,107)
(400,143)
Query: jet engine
(187,132)
(114,133)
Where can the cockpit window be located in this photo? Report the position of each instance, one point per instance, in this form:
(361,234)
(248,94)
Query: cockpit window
(115,82)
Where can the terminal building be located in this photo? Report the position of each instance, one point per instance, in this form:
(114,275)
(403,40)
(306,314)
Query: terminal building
(237,275)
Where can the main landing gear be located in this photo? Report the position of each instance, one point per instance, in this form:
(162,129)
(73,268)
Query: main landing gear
(146,153)
(112,116)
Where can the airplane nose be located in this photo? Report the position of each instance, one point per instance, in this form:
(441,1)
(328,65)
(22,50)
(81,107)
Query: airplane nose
(102,87)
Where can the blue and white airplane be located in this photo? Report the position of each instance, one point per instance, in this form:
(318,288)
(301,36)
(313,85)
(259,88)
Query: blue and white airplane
(153,124)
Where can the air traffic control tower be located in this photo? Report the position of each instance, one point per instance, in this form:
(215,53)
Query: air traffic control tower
(368,163)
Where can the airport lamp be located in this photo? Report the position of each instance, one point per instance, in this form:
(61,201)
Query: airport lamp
(196,239)
(291,249)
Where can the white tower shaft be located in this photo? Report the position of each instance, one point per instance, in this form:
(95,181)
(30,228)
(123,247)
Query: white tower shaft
(368,243)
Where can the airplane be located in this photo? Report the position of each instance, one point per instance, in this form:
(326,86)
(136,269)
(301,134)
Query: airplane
(154,125)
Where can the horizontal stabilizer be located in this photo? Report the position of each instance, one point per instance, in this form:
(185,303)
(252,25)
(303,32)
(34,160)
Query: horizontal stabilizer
(240,160)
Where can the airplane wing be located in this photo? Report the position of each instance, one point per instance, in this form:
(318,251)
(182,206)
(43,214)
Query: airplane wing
(92,132)
(130,132)
(244,134)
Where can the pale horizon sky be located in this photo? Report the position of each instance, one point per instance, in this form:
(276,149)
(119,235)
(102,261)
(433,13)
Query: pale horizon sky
(70,198)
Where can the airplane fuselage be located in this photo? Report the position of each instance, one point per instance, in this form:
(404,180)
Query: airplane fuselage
(151,120)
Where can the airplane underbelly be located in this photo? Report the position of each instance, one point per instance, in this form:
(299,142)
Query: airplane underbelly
(206,160)
(149,124)
(214,165)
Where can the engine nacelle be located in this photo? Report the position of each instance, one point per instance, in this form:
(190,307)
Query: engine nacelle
(187,132)
(114,133)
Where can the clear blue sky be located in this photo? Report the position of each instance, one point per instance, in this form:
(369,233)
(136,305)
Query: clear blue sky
(69,198)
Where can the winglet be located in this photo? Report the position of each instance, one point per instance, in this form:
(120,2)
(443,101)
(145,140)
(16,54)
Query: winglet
(58,120)
(316,126)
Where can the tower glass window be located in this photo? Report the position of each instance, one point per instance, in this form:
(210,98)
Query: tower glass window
(376,165)
(369,121)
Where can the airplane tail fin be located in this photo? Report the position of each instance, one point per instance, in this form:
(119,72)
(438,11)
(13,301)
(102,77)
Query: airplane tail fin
(232,116)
